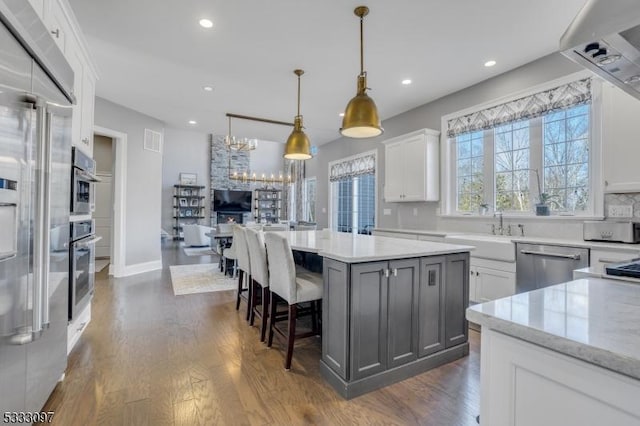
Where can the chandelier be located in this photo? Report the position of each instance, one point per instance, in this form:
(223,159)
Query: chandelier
(239,144)
(252,177)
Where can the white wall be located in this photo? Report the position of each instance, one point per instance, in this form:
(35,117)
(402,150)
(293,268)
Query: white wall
(184,151)
(144,181)
(429,115)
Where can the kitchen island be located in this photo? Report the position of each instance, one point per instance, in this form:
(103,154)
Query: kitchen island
(568,354)
(391,308)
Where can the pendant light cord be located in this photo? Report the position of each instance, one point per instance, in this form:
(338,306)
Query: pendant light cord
(298,95)
(361,45)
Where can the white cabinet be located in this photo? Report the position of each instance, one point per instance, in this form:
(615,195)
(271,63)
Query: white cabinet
(59,19)
(38,6)
(490,280)
(620,140)
(412,167)
(600,259)
(77,326)
(57,23)
(524,384)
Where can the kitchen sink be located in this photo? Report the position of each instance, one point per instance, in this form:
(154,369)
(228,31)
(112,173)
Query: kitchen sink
(495,247)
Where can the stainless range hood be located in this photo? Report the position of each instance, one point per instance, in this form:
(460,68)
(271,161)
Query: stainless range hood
(605,38)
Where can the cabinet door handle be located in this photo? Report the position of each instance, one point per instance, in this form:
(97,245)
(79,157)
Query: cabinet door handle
(395,272)
(432,277)
(56,32)
(386,273)
(477,273)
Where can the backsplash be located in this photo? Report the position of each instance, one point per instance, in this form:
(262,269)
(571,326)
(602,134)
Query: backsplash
(632,199)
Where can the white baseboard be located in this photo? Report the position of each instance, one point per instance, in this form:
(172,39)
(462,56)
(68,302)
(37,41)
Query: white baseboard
(138,268)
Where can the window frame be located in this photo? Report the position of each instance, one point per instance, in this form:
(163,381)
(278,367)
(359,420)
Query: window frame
(595,210)
(376,174)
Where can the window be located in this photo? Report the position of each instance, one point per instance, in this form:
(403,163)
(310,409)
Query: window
(566,158)
(353,194)
(512,168)
(509,156)
(309,200)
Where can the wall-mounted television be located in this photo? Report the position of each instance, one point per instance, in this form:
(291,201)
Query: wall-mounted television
(226,200)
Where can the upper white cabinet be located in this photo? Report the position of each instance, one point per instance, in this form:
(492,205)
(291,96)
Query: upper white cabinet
(620,140)
(58,17)
(412,167)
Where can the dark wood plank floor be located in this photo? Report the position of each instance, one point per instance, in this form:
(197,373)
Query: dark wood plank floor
(151,358)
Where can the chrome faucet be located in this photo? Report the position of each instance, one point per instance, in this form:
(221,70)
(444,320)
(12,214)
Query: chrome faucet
(499,230)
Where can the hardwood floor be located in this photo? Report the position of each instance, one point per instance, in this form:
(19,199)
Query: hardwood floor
(151,358)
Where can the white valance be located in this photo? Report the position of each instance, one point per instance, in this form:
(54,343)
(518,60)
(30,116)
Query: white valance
(528,107)
(356,166)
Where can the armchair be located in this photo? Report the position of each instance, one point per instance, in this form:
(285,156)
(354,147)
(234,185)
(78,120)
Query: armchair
(194,235)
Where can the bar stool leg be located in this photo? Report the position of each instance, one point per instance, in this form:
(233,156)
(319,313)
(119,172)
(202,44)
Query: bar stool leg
(293,311)
(272,315)
(254,301)
(240,276)
(249,296)
(265,314)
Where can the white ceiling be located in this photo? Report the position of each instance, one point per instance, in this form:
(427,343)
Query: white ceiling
(153,56)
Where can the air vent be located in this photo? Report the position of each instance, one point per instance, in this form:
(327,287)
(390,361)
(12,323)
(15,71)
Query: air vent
(152,140)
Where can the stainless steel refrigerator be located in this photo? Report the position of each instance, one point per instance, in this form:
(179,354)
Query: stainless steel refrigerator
(36,94)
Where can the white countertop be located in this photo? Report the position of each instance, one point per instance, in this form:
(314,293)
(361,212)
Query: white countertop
(350,248)
(533,240)
(592,319)
(414,232)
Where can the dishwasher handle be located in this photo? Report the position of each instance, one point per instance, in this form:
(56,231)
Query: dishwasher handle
(551,254)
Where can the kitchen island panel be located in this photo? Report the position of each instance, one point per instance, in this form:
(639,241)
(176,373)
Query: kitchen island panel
(335,314)
(368,319)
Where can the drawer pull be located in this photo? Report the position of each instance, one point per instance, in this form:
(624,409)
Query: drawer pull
(56,32)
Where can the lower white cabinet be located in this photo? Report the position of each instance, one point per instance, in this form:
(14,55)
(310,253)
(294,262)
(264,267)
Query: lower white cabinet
(600,259)
(528,385)
(490,280)
(77,327)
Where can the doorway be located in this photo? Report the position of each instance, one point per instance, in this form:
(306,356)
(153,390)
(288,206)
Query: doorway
(111,197)
(103,150)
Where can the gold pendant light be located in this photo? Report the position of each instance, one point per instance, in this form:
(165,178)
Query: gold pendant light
(361,118)
(298,145)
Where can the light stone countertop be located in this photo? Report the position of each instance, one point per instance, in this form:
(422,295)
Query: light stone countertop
(592,319)
(350,248)
(632,248)
(431,233)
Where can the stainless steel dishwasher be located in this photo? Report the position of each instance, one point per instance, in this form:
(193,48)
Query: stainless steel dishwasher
(542,265)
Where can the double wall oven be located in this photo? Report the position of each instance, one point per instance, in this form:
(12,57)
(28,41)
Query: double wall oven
(82,236)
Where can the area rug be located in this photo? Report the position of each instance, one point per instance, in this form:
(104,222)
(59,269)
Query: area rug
(200,278)
(198,251)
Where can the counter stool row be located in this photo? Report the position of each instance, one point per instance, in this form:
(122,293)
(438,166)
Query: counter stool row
(268,275)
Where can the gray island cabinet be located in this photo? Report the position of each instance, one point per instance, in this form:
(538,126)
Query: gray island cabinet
(386,320)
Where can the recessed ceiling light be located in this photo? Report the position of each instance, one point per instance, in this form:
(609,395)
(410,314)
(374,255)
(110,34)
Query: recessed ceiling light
(490,63)
(341,114)
(406,82)
(192,122)
(206,23)
(207,88)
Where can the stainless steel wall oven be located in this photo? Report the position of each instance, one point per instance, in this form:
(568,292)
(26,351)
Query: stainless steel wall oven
(81,265)
(82,180)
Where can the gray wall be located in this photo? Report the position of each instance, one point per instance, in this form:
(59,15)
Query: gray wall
(103,153)
(144,180)
(184,151)
(423,215)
